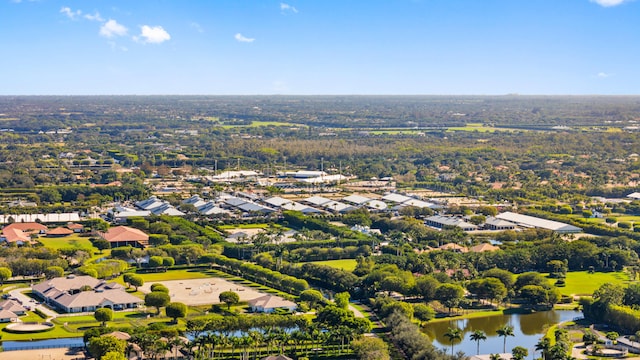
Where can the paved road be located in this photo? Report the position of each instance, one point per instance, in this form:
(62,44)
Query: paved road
(17,293)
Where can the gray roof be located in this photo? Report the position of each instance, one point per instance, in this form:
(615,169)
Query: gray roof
(277,201)
(376,204)
(356,199)
(451,221)
(295,206)
(93,298)
(317,200)
(498,222)
(338,206)
(531,221)
(234,201)
(210,208)
(63,284)
(253,207)
(397,198)
(419,203)
(149,203)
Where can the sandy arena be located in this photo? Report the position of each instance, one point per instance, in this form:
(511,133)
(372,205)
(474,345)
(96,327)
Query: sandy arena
(203,291)
(41,354)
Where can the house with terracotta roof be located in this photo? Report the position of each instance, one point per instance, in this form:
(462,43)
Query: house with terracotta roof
(269,303)
(125,236)
(73,294)
(59,232)
(483,247)
(77,228)
(15,236)
(28,227)
(453,247)
(276,357)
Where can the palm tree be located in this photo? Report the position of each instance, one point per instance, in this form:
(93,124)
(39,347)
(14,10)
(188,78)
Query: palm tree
(495,357)
(245,341)
(256,340)
(453,334)
(176,343)
(543,346)
(505,331)
(476,336)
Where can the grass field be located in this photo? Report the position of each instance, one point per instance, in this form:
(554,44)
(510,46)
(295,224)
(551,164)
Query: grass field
(263,123)
(583,283)
(344,264)
(74,241)
(182,274)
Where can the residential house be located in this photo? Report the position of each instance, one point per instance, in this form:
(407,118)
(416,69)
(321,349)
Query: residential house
(125,236)
(269,303)
(28,227)
(483,247)
(73,294)
(13,306)
(16,236)
(59,232)
(7,316)
(453,247)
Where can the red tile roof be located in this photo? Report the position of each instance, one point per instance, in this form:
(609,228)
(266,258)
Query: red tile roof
(27,227)
(60,231)
(14,235)
(125,233)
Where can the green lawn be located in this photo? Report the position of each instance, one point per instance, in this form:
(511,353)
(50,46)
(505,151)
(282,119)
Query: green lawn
(255,124)
(344,264)
(181,274)
(72,241)
(583,283)
(243,226)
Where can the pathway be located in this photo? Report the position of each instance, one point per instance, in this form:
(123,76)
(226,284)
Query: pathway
(17,293)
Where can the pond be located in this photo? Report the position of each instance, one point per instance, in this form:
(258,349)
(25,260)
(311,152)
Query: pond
(527,328)
(43,344)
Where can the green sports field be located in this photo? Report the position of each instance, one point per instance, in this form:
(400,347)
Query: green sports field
(583,283)
(344,264)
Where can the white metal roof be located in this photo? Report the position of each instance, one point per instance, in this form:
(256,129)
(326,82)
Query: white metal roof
(356,199)
(531,221)
(397,198)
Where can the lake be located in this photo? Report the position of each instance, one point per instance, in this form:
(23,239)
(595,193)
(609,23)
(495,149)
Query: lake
(528,329)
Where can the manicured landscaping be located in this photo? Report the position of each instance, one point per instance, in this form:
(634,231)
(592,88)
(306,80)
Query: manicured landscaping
(344,264)
(181,274)
(74,241)
(584,283)
(58,331)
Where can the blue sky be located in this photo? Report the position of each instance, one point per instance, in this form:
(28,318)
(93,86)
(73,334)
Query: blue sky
(245,47)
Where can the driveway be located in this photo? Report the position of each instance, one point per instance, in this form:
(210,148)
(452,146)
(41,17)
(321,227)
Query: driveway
(27,301)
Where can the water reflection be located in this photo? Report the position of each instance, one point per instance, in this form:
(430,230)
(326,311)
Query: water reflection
(528,329)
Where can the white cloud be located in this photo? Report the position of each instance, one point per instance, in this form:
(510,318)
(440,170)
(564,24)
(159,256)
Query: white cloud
(153,34)
(197,27)
(609,3)
(70,13)
(115,46)
(603,75)
(284,7)
(94,17)
(112,29)
(241,38)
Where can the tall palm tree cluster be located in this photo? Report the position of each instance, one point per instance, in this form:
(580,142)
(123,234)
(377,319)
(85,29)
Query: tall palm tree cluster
(455,335)
(263,335)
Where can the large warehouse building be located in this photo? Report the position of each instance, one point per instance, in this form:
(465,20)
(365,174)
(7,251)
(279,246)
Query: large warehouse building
(534,222)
